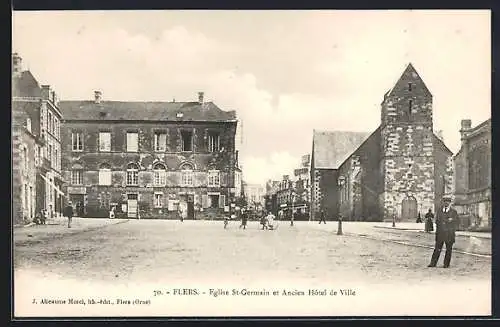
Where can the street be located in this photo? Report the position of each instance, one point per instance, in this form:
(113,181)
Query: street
(149,253)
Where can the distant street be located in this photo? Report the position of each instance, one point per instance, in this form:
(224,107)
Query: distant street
(158,251)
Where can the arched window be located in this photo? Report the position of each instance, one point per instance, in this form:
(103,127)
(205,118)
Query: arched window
(187,174)
(132,174)
(160,174)
(187,166)
(105,174)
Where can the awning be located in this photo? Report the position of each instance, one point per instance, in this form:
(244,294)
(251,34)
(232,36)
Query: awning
(53,186)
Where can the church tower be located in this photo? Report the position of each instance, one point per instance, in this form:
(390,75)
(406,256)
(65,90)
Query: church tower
(407,137)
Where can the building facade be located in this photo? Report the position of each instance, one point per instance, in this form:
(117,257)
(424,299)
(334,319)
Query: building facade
(24,143)
(473,173)
(271,196)
(302,188)
(255,195)
(402,169)
(36,145)
(329,150)
(149,159)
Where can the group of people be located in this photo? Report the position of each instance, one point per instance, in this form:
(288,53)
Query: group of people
(268,220)
(41,217)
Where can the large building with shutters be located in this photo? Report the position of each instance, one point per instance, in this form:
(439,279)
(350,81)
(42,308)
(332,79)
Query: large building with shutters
(147,159)
(400,170)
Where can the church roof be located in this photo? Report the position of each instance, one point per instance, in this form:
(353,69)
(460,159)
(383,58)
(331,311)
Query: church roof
(332,148)
(410,74)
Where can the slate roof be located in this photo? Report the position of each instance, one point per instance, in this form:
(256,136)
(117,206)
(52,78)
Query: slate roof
(438,142)
(144,111)
(484,125)
(332,148)
(411,74)
(25,85)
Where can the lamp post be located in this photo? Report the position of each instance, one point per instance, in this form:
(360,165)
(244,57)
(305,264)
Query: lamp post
(340,183)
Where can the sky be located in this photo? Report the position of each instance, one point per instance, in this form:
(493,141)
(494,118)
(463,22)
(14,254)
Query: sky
(286,73)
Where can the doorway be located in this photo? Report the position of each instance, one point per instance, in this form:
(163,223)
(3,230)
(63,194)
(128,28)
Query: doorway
(132,209)
(409,209)
(190,206)
(77,202)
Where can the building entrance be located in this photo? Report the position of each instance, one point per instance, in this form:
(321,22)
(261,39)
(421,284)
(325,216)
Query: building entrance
(409,210)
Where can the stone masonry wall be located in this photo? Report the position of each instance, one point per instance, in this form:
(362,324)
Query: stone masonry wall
(407,146)
(91,158)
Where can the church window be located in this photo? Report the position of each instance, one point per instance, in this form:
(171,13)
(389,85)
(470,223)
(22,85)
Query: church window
(409,106)
(409,87)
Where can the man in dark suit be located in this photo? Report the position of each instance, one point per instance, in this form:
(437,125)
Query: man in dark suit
(446,225)
(322,216)
(68,212)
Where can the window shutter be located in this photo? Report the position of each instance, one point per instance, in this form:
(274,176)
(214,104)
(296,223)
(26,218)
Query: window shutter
(163,141)
(204,201)
(222,201)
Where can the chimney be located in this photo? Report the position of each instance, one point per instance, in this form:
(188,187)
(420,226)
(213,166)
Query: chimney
(54,98)
(46,93)
(97,96)
(466,125)
(200,97)
(16,64)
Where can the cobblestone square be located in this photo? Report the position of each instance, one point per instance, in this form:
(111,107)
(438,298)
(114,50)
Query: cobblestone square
(143,255)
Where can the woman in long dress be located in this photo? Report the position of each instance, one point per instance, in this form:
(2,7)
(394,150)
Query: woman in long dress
(429,223)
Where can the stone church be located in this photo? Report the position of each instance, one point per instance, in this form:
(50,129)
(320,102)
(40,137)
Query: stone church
(400,170)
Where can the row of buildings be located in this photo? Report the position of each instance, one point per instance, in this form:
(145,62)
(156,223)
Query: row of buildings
(36,146)
(141,159)
(400,170)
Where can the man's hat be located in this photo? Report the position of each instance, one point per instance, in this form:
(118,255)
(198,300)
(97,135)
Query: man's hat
(447,198)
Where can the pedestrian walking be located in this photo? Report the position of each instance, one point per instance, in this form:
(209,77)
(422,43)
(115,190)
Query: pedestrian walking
(429,222)
(244,218)
(226,221)
(322,217)
(68,212)
(180,213)
(263,221)
(446,225)
(43,217)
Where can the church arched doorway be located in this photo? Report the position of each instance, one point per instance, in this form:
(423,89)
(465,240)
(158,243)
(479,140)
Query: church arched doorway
(409,209)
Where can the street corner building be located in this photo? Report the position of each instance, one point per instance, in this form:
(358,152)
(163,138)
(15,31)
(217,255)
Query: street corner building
(149,159)
(36,147)
(473,174)
(400,170)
